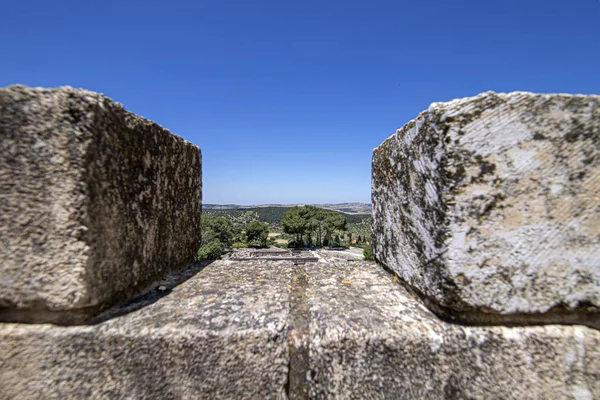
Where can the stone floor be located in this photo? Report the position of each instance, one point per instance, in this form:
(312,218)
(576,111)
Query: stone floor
(337,328)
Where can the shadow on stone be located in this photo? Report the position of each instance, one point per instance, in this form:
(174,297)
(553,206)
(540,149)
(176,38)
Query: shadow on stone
(162,289)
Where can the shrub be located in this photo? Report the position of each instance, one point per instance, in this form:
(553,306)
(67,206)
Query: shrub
(239,245)
(209,251)
(216,228)
(368,253)
(257,234)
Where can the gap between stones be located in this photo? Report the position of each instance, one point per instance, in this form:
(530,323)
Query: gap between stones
(298,335)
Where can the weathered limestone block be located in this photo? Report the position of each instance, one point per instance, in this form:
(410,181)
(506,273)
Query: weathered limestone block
(96,203)
(232,330)
(370,339)
(219,335)
(489,208)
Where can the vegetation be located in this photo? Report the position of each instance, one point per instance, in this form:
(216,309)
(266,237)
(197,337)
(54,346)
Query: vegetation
(217,234)
(368,253)
(243,216)
(358,218)
(271,215)
(291,226)
(308,221)
(209,251)
(257,234)
(360,228)
(217,228)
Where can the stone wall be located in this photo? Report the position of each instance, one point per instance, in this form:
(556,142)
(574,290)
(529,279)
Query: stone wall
(334,329)
(489,208)
(221,335)
(370,339)
(97,203)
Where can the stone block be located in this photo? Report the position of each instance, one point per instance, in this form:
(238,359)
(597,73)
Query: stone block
(371,339)
(265,329)
(489,208)
(220,334)
(96,204)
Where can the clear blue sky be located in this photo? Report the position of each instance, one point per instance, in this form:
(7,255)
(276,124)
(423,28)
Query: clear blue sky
(287,99)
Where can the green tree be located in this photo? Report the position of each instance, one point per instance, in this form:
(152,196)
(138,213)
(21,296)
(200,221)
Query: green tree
(294,223)
(368,253)
(238,234)
(309,241)
(334,222)
(314,217)
(216,228)
(303,222)
(306,213)
(319,215)
(257,234)
(209,251)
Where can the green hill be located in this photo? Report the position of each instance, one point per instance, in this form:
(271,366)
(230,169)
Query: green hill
(271,215)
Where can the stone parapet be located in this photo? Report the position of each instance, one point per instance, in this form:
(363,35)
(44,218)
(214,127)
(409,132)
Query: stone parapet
(219,334)
(371,339)
(489,208)
(333,329)
(96,204)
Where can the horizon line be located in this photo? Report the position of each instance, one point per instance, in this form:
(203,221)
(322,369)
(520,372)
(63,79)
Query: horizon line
(286,204)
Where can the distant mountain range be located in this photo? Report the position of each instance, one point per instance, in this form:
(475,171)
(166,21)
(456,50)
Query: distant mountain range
(348,208)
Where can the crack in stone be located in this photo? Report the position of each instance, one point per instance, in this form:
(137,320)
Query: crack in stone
(298,335)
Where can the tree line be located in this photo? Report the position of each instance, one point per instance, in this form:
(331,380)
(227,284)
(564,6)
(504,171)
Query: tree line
(308,222)
(307,225)
(271,215)
(219,234)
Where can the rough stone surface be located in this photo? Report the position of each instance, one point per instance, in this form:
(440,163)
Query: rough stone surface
(264,329)
(370,339)
(219,334)
(96,203)
(489,208)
